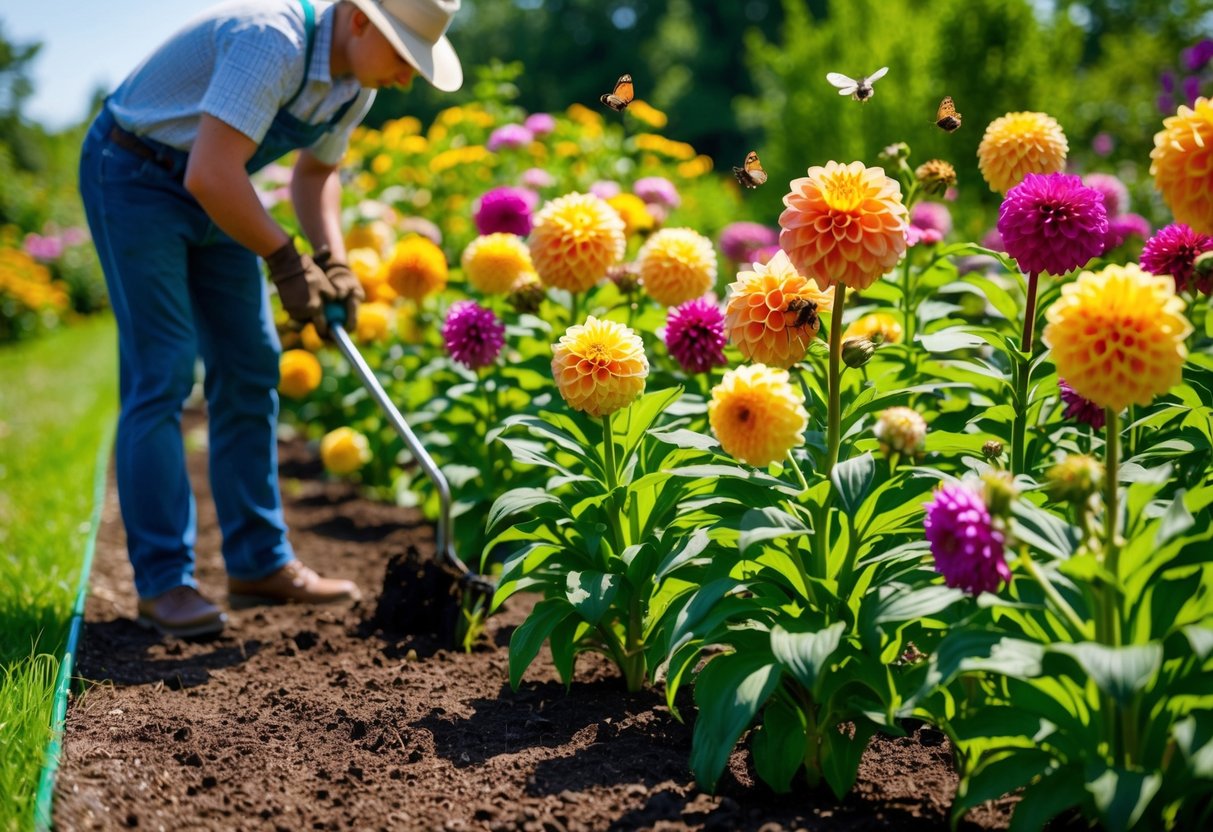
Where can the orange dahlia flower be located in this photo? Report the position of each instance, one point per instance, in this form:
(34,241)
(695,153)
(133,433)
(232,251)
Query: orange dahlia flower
(1117,335)
(764,307)
(757,415)
(417,268)
(1018,144)
(677,265)
(575,239)
(1182,165)
(599,366)
(844,223)
(493,263)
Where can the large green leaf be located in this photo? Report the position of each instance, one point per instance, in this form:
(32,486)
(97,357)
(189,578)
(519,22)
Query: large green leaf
(806,655)
(529,637)
(1058,790)
(778,745)
(1119,672)
(591,593)
(853,479)
(517,501)
(841,753)
(1122,796)
(997,774)
(759,525)
(729,693)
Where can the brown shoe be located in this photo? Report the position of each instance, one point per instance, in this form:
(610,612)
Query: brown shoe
(292,583)
(183,612)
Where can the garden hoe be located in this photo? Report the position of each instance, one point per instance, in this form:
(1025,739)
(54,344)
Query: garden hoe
(419,597)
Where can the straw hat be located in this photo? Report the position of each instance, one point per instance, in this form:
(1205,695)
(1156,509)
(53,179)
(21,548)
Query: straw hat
(417,30)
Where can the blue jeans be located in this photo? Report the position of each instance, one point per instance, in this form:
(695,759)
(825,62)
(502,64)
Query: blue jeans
(180,288)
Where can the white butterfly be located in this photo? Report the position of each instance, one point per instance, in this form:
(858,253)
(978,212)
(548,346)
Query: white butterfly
(860,90)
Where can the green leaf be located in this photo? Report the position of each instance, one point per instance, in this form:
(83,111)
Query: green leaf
(1201,639)
(853,479)
(758,525)
(904,603)
(562,641)
(517,501)
(778,745)
(1196,742)
(997,774)
(729,693)
(1117,671)
(841,753)
(529,637)
(1175,522)
(591,593)
(806,655)
(1122,796)
(634,421)
(949,340)
(1059,790)
(687,439)
(1042,530)
(688,549)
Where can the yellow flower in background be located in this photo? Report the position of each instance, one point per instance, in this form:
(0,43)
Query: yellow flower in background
(666,147)
(599,366)
(844,223)
(374,322)
(580,114)
(1018,144)
(417,268)
(695,168)
(757,415)
(493,263)
(764,307)
(880,324)
(1117,335)
(650,115)
(1182,165)
(310,338)
(344,451)
(376,235)
(633,211)
(299,373)
(574,240)
(367,266)
(567,149)
(677,265)
(381,164)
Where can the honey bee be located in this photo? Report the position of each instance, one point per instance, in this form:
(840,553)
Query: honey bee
(860,90)
(805,310)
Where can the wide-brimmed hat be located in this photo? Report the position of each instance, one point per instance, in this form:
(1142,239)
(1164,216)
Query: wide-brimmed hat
(417,30)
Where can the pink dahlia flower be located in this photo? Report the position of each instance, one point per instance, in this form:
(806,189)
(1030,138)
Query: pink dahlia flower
(694,335)
(931,215)
(657,190)
(1052,223)
(473,335)
(968,549)
(1124,226)
(1080,409)
(1172,251)
(540,124)
(506,210)
(739,240)
(1115,194)
(510,136)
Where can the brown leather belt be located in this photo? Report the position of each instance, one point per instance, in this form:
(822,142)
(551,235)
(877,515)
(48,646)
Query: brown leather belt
(129,141)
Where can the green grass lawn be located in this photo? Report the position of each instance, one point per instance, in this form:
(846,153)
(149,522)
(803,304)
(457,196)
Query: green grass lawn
(58,400)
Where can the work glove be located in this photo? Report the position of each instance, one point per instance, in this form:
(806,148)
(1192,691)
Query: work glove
(346,284)
(302,285)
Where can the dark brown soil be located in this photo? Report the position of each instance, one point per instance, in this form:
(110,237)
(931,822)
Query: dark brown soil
(302,718)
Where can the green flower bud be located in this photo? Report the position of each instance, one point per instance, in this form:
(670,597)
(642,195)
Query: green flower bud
(857,351)
(1075,479)
(1000,492)
(992,450)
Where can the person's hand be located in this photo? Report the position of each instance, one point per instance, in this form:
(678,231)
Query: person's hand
(348,288)
(302,285)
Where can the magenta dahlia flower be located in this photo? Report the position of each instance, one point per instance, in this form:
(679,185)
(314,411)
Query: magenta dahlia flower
(739,240)
(505,209)
(968,549)
(1052,223)
(694,335)
(933,216)
(1172,251)
(1078,408)
(1115,194)
(473,335)
(540,124)
(1124,226)
(657,190)
(509,136)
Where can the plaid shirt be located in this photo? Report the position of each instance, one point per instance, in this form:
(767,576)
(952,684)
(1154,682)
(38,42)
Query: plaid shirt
(241,62)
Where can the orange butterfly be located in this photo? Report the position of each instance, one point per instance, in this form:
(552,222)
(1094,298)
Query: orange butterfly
(946,117)
(619,98)
(751,175)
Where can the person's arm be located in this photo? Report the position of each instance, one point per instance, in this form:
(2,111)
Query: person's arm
(216,177)
(316,196)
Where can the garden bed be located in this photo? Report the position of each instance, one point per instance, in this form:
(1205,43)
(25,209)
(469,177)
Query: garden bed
(302,719)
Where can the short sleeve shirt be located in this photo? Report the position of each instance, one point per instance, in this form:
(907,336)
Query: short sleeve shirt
(241,62)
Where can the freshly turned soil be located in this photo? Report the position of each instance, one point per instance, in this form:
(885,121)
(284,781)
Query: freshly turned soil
(309,718)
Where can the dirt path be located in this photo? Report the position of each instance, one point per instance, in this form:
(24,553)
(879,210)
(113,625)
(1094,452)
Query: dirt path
(296,719)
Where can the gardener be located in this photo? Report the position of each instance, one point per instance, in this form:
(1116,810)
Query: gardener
(178,227)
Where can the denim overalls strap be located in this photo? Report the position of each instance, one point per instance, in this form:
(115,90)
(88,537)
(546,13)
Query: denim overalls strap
(287,132)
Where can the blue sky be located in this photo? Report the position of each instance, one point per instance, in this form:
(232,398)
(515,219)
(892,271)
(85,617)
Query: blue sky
(86,44)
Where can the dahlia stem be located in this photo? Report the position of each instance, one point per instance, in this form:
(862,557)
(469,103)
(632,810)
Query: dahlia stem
(1078,627)
(574,307)
(612,482)
(1111,519)
(907,291)
(804,484)
(834,415)
(1029,317)
(1019,425)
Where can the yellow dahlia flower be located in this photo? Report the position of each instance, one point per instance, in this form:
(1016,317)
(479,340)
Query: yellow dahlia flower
(599,366)
(1018,144)
(844,223)
(368,267)
(299,373)
(375,235)
(575,239)
(493,263)
(1117,335)
(880,324)
(417,268)
(1182,165)
(634,213)
(758,319)
(374,321)
(757,414)
(677,265)
(344,451)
